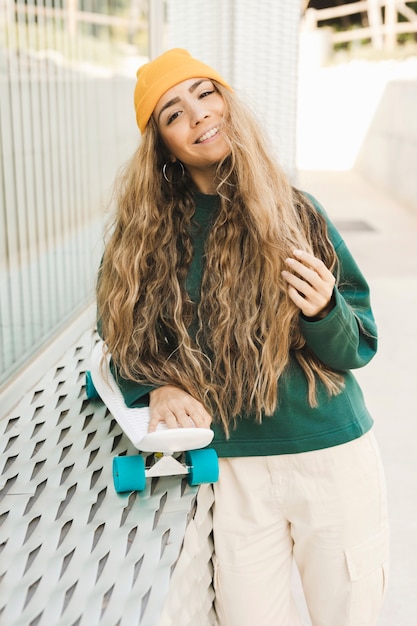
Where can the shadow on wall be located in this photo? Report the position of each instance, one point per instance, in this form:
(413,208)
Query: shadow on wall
(388,155)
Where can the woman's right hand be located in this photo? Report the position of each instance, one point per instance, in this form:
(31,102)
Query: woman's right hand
(177,409)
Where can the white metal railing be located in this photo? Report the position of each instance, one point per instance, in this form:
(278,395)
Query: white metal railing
(384,26)
(72,17)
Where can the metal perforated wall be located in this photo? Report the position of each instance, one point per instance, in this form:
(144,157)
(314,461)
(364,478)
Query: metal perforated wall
(72,551)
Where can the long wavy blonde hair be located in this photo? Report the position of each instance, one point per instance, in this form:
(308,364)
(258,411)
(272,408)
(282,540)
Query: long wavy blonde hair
(247,325)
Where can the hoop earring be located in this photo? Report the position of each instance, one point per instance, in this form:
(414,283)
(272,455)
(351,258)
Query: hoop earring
(173,182)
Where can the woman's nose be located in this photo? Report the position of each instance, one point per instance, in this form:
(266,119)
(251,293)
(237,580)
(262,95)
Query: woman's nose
(198,114)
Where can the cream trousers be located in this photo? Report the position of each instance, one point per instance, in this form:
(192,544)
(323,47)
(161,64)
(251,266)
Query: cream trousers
(327,510)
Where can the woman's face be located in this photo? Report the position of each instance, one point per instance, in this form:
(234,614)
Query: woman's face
(189,117)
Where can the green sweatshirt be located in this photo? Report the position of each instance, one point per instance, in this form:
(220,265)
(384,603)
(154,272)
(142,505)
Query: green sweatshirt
(344,340)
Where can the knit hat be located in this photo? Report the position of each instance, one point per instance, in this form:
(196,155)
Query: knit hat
(157,76)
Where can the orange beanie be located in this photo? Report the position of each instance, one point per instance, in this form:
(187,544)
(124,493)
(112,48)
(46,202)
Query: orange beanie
(157,76)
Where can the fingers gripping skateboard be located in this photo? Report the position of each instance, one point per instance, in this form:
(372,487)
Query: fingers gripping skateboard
(129,472)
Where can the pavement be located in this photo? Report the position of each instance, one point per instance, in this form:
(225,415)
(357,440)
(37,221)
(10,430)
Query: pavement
(382,235)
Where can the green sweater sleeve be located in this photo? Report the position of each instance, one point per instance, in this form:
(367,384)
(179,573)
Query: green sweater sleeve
(347,337)
(134,394)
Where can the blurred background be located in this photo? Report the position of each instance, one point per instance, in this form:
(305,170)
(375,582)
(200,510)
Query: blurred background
(335,84)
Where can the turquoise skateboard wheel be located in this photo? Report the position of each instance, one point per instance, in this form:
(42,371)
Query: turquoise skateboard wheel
(203,466)
(90,390)
(129,473)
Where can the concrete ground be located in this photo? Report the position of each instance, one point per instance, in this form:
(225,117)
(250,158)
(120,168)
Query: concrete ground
(382,235)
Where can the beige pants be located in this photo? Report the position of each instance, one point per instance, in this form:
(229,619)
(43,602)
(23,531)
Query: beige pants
(327,509)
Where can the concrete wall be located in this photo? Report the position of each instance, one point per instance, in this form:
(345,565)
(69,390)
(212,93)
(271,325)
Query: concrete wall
(388,156)
(360,115)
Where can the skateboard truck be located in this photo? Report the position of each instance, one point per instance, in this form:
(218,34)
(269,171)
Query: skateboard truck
(129,472)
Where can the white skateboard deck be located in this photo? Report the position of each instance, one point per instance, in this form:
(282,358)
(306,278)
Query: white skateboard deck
(134,422)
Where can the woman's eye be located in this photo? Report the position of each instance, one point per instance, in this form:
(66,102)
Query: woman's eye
(206,93)
(173,117)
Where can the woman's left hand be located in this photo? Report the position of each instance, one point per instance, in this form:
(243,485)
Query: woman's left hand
(310,284)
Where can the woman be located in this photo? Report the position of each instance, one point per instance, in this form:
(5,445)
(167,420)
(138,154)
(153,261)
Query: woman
(228,299)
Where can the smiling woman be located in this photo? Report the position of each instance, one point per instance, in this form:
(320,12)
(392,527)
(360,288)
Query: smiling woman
(189,118)
(226,296)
